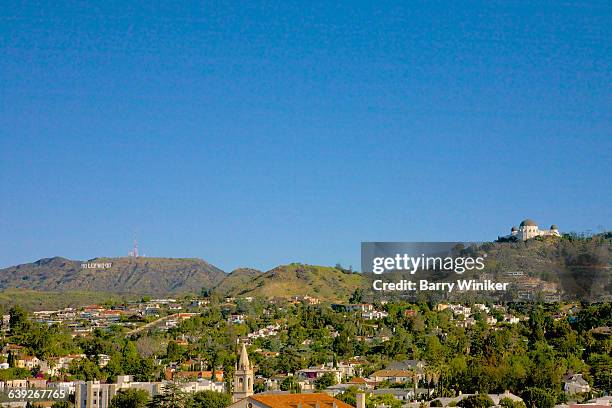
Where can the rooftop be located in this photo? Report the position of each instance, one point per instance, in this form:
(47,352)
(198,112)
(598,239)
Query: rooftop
(528,223)
(315,400)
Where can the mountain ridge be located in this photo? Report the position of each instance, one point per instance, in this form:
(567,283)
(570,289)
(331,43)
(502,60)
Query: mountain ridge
(161,276)
(133,275)
(577,267)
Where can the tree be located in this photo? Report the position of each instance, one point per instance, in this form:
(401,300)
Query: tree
(539,398)
(19,322)
(289,360)
(143,370)
(387,400)
(601,369)
(476,401)
(510,403)
(536,325)
(210,399)
(130,398)
(172,397)
(546,370)
(357,296)
(349,395)
(290,384)
(14,373)
(85,369)
(173,351)
(11,359)
(213,366)
(341,345)
(146,346)
(326,380)
(130,354)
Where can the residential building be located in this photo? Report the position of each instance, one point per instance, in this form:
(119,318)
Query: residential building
(313,373)
(27,362)
(397,376)
(575,384)
(94,394)
(202,385)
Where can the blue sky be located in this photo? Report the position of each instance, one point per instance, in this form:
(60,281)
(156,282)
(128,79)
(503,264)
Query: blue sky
(257,134)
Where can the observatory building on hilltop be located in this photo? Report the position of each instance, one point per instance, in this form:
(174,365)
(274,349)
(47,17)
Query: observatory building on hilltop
(529,229)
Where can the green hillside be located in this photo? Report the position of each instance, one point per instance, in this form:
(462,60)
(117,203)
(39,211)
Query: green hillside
(323,282)
(237,280)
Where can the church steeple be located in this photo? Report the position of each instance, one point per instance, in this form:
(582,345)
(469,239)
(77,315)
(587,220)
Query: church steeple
(243,376)
(244,363)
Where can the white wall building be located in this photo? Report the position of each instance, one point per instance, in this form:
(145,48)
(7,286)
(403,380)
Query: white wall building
(93,394)
(202,385)
(528,229)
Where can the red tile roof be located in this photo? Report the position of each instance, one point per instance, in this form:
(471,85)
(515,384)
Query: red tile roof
(316,400)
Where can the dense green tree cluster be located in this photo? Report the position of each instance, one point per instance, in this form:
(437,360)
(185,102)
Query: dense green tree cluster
(528,358)
(130,398)
(476,401)
(172,397)
(42,340)
(326,380)
(531,355)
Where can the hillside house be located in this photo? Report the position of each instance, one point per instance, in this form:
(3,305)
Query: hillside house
(575,384)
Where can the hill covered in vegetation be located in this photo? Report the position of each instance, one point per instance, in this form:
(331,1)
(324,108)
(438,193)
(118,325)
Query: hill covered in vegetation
(117,275)
(579,267)
(237,280)
(322,282)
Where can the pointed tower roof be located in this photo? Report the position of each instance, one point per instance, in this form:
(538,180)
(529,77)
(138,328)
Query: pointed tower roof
(244,363)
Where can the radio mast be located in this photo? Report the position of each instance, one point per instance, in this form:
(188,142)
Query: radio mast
(134,252)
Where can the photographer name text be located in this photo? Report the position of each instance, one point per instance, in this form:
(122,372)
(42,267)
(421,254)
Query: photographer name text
(425,285)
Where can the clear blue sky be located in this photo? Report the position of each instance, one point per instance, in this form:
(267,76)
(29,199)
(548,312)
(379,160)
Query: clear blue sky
(257,134)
